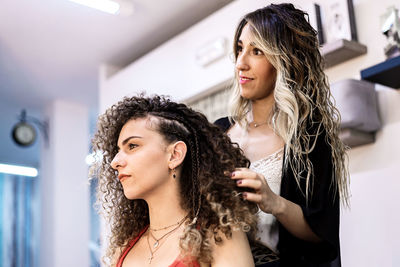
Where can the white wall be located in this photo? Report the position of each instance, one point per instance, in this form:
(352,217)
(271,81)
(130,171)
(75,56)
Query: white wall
(369,231)
(172,69)
(64,187)
(371,226)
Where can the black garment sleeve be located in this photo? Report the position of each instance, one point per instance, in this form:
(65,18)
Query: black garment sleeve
(321,211)
(223,123)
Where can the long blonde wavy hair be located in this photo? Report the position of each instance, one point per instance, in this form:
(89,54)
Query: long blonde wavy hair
(207,192)
(303,103)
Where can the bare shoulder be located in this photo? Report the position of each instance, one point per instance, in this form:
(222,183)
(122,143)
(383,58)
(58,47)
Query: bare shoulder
(234,133)
(237,245)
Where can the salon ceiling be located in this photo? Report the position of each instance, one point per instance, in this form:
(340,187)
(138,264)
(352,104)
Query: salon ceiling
(52,48)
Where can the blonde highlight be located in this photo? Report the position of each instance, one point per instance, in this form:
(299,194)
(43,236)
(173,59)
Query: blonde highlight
(304,105)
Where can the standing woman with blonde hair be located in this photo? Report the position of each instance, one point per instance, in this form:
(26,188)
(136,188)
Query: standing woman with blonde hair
(284,120)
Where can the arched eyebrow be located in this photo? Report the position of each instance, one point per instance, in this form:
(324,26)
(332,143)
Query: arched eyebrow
(127,140)
(241,43)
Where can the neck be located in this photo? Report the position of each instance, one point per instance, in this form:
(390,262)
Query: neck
(165,209)
(262,109)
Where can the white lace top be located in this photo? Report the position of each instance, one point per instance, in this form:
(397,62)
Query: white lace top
(271,168)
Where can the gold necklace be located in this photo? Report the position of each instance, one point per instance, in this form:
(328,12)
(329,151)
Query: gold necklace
(169,226)
(255,124)
(157,244)
(151,252)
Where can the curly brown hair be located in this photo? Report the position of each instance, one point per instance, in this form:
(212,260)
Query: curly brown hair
(207,192)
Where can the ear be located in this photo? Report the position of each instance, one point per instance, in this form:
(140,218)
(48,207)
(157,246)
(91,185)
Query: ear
(177,154)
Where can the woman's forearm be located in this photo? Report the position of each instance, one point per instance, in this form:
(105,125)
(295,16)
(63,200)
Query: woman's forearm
(291,216)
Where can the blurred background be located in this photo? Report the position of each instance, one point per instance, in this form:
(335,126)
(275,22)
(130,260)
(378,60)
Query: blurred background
(63,63)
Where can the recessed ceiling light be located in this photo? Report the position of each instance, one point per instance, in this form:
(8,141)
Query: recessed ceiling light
(109,6)
(18,170)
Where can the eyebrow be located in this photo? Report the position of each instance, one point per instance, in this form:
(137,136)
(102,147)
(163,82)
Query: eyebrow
(129,138)
(252,43)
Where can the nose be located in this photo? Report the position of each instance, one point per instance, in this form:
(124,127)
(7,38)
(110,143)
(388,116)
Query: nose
(118,162)
(241,62)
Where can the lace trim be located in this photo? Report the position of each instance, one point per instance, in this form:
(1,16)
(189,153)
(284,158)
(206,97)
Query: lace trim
(270,167)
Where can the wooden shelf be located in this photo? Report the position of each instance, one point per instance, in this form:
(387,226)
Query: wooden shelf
(340,51)
(386,73)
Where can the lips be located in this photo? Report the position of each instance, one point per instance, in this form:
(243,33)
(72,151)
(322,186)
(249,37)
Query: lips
(244,79)
(122,177)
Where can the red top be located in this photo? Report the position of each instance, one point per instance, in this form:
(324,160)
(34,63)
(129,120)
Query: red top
(177,263)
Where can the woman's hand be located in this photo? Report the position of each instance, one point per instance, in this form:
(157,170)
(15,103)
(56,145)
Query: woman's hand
(267,200)
(289,214)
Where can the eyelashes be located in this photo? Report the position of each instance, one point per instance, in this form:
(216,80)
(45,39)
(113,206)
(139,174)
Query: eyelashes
(257,51)
(132,146)
(254,51)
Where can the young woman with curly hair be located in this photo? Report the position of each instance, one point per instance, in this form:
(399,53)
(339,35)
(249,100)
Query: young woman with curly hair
(285,122)
(165,187)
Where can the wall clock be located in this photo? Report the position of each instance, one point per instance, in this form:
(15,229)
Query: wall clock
(24,134)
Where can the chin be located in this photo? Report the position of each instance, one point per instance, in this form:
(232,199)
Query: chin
(132,195)
(247,96)
(247,93)
(254,97)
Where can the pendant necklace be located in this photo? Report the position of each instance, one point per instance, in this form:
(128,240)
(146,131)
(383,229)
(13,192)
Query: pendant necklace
(151,252)
(157,243)
(255,124)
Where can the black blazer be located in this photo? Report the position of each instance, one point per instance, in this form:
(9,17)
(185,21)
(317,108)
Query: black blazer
(321,212)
